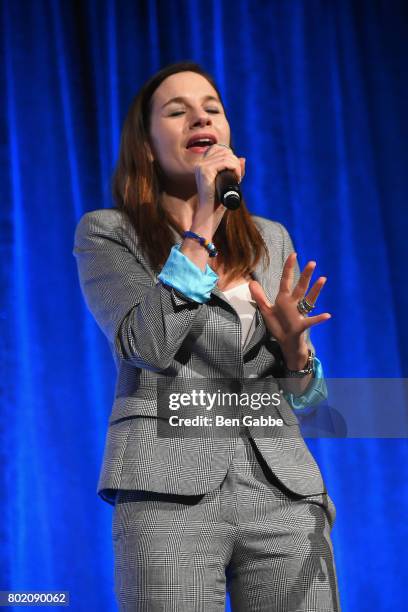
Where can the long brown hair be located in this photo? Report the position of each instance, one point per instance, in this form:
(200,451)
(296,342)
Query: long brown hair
(136,191)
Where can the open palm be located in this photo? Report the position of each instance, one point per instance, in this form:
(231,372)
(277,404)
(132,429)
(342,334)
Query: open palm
(283,319)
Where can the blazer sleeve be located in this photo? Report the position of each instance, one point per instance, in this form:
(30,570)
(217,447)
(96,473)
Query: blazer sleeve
(145,323)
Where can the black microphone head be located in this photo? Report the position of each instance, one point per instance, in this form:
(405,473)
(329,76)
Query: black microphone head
(232,199)
(227,189)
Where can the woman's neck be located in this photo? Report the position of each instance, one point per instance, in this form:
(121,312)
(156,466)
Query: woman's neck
(180,208)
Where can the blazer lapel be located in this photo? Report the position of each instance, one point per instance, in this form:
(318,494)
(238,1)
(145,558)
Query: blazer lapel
(260,329)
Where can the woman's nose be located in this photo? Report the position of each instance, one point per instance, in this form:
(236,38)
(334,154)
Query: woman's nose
(201,117)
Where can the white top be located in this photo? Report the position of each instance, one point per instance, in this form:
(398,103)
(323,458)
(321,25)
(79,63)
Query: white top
(240,298)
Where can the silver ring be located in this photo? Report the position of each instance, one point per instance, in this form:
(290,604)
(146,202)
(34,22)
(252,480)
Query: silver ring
(304,307)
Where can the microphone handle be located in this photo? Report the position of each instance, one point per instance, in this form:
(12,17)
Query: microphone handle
(227,189)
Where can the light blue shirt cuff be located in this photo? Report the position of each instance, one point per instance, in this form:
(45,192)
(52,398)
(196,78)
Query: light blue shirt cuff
(182,274)
(315,392)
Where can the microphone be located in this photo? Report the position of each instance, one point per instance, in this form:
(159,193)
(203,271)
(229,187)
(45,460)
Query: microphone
(227,189)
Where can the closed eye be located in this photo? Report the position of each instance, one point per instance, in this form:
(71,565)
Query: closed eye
(209,110)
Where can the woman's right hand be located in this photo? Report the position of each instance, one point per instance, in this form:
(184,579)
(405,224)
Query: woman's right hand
(209,214)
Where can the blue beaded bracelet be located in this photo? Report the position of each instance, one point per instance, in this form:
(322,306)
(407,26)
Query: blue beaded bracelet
(210,246)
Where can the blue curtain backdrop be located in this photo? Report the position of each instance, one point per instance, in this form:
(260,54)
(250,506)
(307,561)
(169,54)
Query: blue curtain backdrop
(316,93)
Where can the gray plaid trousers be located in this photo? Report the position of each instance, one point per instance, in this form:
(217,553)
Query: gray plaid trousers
(271,549)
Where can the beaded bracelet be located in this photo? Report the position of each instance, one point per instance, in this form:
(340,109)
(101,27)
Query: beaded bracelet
(210,246)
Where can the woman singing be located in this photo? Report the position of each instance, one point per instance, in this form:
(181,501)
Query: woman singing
(189,291)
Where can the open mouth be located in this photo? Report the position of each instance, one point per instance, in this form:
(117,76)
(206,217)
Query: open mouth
(200,145)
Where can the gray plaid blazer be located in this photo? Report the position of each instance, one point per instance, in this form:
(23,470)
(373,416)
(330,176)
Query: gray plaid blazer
(154,331)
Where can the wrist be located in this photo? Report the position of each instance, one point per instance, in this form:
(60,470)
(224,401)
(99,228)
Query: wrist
(203,241)
(203,228)
(302,372)
(295,356)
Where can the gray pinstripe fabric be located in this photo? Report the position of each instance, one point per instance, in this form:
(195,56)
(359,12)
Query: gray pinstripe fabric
(271,550)
(154,330)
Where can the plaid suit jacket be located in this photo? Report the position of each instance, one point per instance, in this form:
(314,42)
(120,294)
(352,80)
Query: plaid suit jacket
(154,331)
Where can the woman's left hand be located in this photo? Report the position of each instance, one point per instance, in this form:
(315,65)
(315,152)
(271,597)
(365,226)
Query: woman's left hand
(283,319)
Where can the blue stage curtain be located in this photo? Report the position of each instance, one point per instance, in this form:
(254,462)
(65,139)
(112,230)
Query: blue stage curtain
(316,94)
